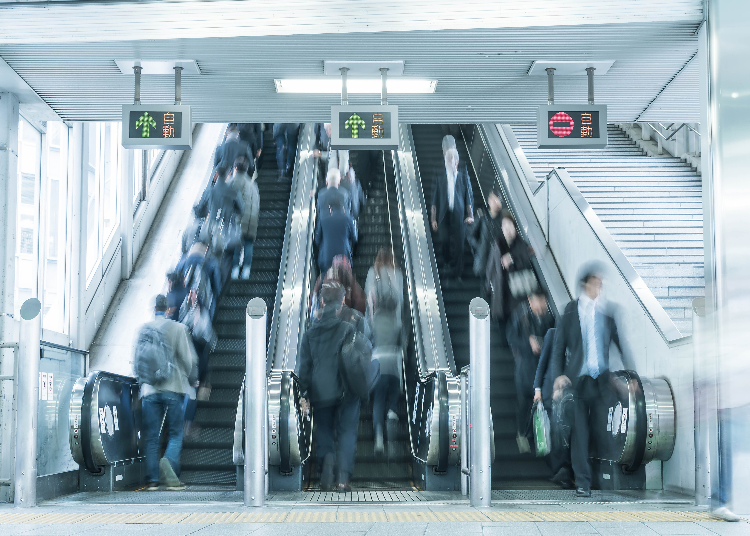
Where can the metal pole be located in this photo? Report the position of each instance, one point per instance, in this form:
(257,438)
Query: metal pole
(550,85)
(480,458)
(178,85)
(464,437)
(255,404)
(590,74)
(27,403)
(344,94)
(137,69)
(384,88)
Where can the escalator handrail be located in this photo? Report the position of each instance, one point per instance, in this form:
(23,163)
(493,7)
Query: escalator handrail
(438,338)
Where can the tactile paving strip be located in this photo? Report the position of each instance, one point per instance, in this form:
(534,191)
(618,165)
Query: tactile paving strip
(347,517)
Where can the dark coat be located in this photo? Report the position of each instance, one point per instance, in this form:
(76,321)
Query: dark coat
(335,234)
(220,197)
(485,231)
(319,356)
(569,338)
(327,195)
(522,325)
(463,196)
(252,134)
(228,152)
(543,379)
(211,267)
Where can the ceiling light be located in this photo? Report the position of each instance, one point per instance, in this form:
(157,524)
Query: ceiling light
(354,85)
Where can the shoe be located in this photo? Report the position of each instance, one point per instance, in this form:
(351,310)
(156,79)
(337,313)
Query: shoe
(169,477)
(523,444)
(392,415)
(583,492)
(326,473)
(379,445)
(246,273)
(235,272)
(726,514)
(563,478)
(153,486)
(344,485)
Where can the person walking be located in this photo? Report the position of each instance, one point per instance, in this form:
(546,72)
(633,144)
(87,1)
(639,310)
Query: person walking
(166,367)
(323,388)
(248,189)
(451,210)
(285,135)
(586,332)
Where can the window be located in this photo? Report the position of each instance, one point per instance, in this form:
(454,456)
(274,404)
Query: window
(104,170)
(137,179)
(27,213)
(55,205)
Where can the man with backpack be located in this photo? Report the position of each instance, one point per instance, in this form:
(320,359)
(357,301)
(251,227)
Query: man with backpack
(201,273)
(166,367)
(324,384)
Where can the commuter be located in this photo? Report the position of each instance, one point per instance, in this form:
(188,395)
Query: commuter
(285,135)
(586,331)
(322,149)
(176,295)
(483,238)
(222,207)
(449,142)
(367,164)
(322,386)
(339,159)
(234,147)
(341,272)
(526,329)
(165,364)
(333,190)
(354,191)
(334,235)
(516,263)
(248,189)
(559,456)
(385,299)
(252,134)
(201,273)
(452,209)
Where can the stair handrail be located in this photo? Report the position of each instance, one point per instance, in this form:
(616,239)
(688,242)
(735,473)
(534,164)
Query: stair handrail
(609,252)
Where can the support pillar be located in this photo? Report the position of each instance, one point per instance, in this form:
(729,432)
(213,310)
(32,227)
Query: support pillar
(480,460)
(8,199)
(256,402)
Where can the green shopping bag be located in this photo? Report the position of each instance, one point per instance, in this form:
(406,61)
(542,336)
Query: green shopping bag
(542,439)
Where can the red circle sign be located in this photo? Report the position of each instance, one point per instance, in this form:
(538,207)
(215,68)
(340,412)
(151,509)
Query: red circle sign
(561,130)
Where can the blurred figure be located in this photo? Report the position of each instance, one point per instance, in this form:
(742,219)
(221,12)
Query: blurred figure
(451,210)
(333,190)
(201,273)
(385,300)
(234,147)
(221,206)
(322,385)
(160,343)
(322,149)
(339,159)
(449,142)
(367,164)
(559,457)
(485,238)
(516,263)
(248,189)
(341,272)
(252,134)
(334,235)
(586,331)
(285,135)
(176,295)
(526,330)
(351,185)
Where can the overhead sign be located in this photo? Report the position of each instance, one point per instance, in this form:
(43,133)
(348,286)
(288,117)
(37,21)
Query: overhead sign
(147,126)
(364,127)
(572,127)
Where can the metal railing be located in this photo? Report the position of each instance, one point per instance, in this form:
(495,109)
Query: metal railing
(669,127)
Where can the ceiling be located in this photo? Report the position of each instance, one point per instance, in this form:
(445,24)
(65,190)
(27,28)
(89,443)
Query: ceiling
(480,54)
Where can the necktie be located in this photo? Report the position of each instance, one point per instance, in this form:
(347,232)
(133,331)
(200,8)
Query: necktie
(591,358)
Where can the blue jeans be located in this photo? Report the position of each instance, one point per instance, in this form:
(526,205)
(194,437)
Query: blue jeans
(248,247)
(154,407)
(385,397)
(286,146)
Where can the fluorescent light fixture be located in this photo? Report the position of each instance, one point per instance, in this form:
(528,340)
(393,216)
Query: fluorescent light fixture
(354,85)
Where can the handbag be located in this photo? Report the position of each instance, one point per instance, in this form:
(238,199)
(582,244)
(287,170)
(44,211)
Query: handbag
(522,283)
(542,440)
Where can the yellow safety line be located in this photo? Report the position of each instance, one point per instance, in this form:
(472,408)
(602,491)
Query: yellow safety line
(518,516)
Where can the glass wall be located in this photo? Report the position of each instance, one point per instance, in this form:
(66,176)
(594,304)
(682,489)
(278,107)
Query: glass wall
(92,204)
(27,213)
(55,193)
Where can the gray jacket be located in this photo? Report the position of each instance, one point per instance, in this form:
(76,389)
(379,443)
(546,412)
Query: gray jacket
(248,189)
(185,359)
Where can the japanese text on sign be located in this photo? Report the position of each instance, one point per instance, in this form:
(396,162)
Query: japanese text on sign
(146,124)
(364,125)
(565,124)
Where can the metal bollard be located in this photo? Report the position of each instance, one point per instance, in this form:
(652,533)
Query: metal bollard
(465,472)
(256,457)
(27,403)
(480,483)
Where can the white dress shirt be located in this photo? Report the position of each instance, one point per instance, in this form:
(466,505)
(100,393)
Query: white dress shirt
(587,314)
(451,173)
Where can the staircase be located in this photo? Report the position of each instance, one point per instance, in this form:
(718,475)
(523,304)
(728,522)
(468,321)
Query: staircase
(207,454)
(652,207)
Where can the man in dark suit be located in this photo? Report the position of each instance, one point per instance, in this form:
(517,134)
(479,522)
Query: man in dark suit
(334,235)
(452,209)
(586,331)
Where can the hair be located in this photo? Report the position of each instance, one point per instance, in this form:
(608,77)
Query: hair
(589,270)
(449,142)
(222,172)
(160,303)
(333,175)
(241,164)
(332,292)
(174,277)
(384,258)
(233,126)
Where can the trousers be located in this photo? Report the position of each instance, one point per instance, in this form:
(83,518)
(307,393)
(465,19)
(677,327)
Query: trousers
(588,394)
(286,147)
(154,407)
(385,397)
(452,233)
(340,421)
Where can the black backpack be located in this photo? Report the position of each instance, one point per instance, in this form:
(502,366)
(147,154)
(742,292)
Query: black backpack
(386,298)
(196,278)
(153,356)
(360,371)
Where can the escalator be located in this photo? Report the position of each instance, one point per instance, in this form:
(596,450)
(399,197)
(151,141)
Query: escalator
(510,468)
(207,453)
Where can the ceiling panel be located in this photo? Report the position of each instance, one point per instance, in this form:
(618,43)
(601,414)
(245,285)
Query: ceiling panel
(482,74)
(97,21)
